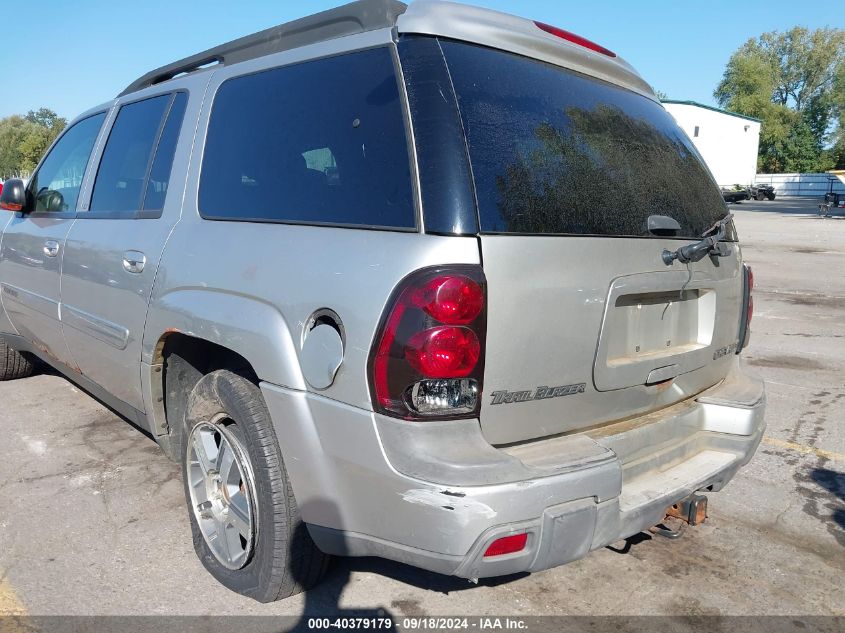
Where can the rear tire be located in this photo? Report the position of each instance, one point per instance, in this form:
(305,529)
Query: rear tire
(276,558)
(13,364)
(761,196)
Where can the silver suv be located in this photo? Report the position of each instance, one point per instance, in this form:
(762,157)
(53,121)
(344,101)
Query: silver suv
(431,283)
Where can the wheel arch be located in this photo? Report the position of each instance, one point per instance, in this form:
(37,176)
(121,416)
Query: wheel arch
(191,333)
(249,327)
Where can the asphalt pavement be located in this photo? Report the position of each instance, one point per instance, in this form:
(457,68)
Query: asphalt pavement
(93,519)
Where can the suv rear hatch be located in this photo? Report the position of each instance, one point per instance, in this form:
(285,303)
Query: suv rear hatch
(586,323)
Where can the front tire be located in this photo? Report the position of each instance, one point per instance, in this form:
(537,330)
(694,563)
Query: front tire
(245,523)
(13,364)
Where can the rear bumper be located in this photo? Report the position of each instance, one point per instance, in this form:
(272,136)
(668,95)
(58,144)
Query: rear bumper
(436,495)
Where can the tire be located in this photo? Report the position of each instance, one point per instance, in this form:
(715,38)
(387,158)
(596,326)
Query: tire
(229,411)
(13,364)
(771,196)
(760,195)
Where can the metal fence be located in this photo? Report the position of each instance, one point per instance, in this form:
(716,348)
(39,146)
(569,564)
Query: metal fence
(801,184)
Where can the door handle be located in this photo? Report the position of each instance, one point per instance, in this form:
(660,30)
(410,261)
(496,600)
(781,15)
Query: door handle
(51,248)
(134,262)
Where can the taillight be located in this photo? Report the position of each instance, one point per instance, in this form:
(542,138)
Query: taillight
(428,358)
(444,352)
(748,308)
(455,300)
(507,545)
(575,39)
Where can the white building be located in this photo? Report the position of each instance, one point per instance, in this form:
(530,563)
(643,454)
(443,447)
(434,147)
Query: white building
(727,141)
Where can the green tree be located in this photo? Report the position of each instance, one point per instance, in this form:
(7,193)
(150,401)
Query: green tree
(799,151)
(793,82)
(837,152)
(12,132)
(24,139)
(33,146)
(46,118)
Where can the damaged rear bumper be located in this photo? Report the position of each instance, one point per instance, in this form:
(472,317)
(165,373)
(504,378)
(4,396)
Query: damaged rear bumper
(436,495)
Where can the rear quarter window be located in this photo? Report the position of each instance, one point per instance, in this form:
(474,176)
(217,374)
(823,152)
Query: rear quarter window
(557,152)
(320,142)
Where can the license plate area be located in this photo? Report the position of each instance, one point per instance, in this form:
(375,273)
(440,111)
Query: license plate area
(659,324)
(653,320)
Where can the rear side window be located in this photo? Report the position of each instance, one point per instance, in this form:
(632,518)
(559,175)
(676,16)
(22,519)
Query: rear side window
(136,162)
(321,142)
(557,152)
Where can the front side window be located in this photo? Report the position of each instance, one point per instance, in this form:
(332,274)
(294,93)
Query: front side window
(136,162)
(55,186)
(321,142)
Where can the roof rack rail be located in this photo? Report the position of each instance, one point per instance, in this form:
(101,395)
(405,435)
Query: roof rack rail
(355,17)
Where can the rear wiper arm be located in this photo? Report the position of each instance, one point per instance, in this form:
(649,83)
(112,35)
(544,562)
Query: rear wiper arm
(710,244)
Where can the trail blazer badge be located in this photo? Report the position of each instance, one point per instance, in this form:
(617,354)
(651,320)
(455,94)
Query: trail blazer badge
(540,393)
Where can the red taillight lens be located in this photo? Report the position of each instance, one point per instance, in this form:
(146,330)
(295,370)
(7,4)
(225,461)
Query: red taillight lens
(444,352)
(454,300)
(575,39)
(507,545)
(381,360)
(428,358)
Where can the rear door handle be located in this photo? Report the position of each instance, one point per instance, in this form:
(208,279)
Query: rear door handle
(134,262)
(51,248)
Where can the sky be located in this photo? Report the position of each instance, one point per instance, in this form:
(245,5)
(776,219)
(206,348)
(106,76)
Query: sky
(70,56)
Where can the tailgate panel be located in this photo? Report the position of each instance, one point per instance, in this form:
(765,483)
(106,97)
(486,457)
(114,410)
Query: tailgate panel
(565,312)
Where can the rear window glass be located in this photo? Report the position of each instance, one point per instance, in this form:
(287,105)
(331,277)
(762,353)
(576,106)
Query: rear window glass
(556,152)
(321,142)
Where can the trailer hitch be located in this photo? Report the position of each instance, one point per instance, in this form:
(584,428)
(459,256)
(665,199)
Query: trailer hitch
(692,511)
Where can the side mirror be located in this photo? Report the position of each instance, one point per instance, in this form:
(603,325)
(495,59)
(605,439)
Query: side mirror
(13,195)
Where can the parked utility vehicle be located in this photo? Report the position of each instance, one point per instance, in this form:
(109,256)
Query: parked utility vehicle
(431,283)
(761,192)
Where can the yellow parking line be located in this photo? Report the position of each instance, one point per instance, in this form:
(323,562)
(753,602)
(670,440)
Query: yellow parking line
(9,603)
(801,448)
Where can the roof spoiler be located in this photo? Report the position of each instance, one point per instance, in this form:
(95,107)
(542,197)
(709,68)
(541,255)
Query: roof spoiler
(355,17)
